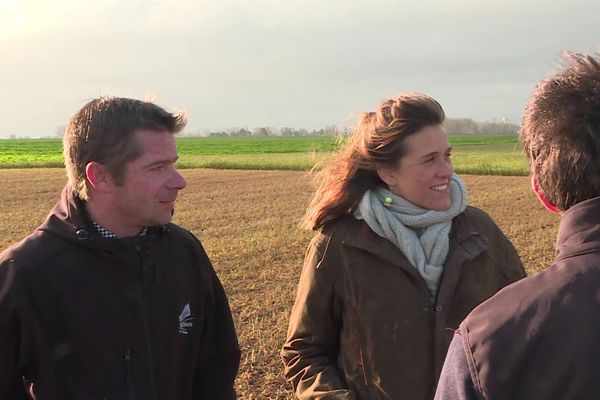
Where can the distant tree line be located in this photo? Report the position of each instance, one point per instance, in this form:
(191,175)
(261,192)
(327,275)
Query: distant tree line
(464,126)
(270,131)
(467,126)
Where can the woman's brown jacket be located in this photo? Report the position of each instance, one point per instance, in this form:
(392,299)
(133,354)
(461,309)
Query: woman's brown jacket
(363,326)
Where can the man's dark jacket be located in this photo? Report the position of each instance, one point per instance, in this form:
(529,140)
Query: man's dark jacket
(540,337)
(85,317)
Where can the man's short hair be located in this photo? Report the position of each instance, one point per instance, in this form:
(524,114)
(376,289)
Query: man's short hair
(561,132)
(103,131)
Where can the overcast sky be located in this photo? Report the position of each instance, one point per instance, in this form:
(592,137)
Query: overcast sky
(297,63)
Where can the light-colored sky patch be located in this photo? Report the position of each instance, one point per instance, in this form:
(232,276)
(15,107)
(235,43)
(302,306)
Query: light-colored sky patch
(299,63)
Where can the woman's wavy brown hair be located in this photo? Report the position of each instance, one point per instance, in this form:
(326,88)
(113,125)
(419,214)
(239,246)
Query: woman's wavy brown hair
(379,138)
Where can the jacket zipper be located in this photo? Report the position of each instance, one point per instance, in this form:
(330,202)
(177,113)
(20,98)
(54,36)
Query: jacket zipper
(148,348)
(129,376)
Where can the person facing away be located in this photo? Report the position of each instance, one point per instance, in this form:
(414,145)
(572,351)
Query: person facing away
(538,339)
(107,299)
(400,260)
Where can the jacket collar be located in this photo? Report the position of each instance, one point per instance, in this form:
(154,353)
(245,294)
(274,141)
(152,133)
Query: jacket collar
(358,234)
(579,231)
(70,220)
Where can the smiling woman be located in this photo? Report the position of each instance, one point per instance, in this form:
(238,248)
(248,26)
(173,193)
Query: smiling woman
(423,176)
(400,260)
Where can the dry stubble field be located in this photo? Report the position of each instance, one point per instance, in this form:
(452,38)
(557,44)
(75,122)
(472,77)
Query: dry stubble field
(247,220)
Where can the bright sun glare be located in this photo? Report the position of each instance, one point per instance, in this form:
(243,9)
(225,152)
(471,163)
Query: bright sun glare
(11,16)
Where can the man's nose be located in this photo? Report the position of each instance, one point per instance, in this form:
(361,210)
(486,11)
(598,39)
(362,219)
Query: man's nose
(177,181)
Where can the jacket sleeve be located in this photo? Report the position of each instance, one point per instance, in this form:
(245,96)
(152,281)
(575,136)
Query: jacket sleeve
(456,381)
(310,352)
(11,380)
(219,353)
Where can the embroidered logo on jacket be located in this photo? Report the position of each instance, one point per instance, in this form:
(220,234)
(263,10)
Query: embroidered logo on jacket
(185,319)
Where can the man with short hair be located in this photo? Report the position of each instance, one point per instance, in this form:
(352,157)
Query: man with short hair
(540,337)
(107,299)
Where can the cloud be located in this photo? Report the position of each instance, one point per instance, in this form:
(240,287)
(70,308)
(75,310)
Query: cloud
(293,63)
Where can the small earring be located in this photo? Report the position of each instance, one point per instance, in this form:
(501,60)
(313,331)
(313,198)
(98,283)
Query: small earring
(388,201)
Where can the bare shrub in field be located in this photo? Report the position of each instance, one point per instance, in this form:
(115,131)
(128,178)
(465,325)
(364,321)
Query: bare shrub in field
(248,222)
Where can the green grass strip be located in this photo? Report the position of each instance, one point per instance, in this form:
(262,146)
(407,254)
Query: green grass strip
(472,154)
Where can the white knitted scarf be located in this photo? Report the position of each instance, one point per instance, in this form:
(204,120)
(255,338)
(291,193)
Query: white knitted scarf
(422,235)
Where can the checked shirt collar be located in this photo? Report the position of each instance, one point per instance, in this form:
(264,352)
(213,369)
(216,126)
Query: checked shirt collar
(105,233)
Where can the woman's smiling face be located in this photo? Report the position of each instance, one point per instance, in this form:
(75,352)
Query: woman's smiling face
(422,176)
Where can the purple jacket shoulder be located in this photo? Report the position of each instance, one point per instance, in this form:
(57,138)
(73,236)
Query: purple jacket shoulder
(456,381)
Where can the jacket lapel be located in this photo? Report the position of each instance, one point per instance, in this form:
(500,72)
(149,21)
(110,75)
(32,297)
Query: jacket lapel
(367,240)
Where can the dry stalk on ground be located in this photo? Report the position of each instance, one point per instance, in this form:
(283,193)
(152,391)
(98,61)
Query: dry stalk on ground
(248,223)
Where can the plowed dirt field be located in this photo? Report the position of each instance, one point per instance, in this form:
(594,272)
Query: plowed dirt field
(247,221)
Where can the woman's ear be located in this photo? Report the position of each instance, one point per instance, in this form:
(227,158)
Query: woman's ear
(387,174)
(541,197)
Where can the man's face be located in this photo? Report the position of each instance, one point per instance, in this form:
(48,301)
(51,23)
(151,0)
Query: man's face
(150,184)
